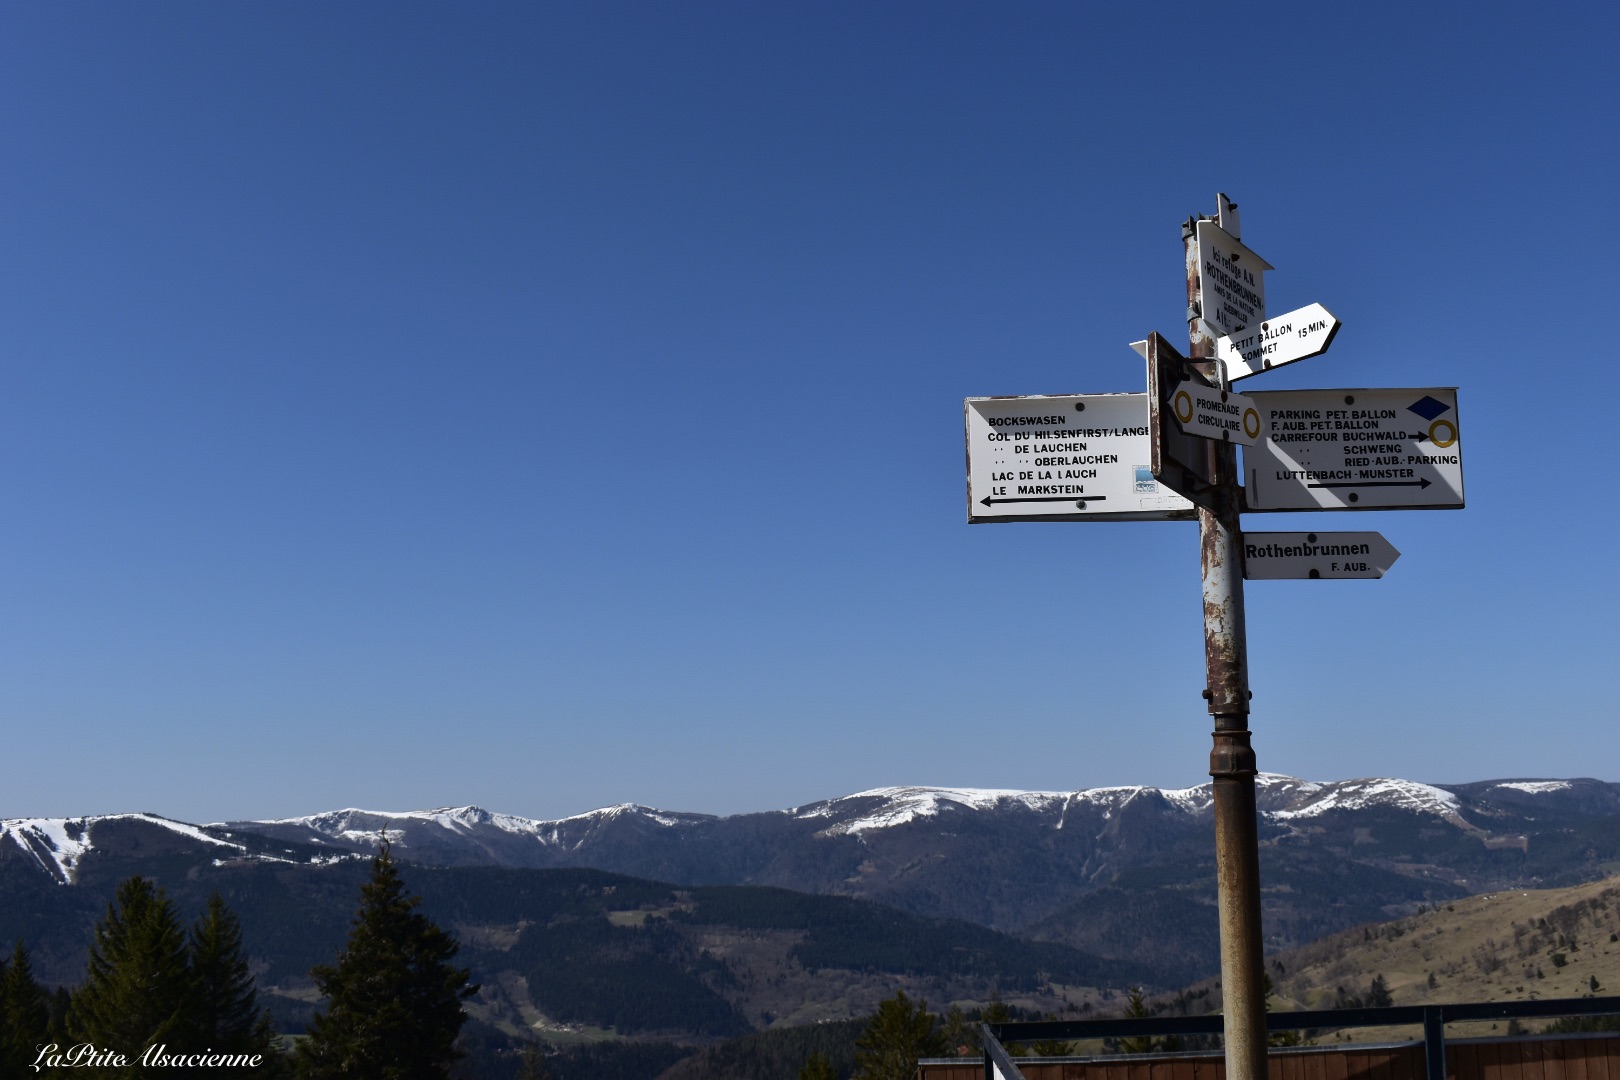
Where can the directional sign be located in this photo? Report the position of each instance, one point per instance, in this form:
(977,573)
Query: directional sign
(1205,410)
(1231,281)
(1078,457)
(1298,335)
(1355,450)
(1180,461)
(1280,555)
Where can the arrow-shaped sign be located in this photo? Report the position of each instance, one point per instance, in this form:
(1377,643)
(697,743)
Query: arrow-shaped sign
(1298,335)
(1278,556)
(1215,413)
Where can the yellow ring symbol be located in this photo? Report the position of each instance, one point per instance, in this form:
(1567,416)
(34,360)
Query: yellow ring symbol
(1437,440)
(1180,401)
(1251,423)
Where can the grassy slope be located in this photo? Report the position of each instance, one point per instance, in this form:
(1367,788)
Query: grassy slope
(1495,947)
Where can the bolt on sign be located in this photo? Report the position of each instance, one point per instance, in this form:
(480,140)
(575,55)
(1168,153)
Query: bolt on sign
(1382,449)
(1073,457)
(1231,280)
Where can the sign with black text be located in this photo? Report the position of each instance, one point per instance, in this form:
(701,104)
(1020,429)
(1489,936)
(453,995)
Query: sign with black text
(1298,335)
(1213,413)
(1380,449)
(1279,556)
(1231,280)
(1078,457)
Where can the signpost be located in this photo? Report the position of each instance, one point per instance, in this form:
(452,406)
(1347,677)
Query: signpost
(1298,335)
(1356,450)
(1297,555)
(1170,455)
(1076,457)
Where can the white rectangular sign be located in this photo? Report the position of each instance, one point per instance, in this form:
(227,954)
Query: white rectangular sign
(1363,449)
(1298,335)
(1231,281)
(1215,413)
(1280,556)
(1077,457)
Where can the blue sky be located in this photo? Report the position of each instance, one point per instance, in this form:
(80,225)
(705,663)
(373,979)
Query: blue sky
(551,405)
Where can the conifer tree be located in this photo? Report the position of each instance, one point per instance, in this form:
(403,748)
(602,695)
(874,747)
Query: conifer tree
(24,1014)
(139,992)
(1136,1008)
(818,1067)
(532,1064)
(393,1000)
(226,1017)
(897,1034)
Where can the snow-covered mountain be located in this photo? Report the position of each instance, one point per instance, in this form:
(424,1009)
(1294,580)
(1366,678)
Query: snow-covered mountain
(1098,868)
(58,846)
(616,836)
(469,833)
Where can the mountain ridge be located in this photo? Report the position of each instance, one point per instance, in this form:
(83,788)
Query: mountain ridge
(1098,869)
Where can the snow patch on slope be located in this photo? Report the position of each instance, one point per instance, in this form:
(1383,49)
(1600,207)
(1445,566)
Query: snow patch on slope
(60,844)
(361,827)
(1536,787)
(902,804)
(1360,794)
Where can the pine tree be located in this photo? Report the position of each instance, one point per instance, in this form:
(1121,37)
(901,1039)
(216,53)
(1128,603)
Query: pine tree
(532,1064)
(393,1002)
(226,1017)
(139,990)
(997,1012)
(960,1034)
(24,1014)
(1136,1009)
(897,1034)
(818,1067)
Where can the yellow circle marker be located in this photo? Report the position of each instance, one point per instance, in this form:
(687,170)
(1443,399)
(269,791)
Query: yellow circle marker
(1183,400)
(1437,440)
(1251,423)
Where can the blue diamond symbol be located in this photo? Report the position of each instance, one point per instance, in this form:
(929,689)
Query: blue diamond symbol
(1427,407)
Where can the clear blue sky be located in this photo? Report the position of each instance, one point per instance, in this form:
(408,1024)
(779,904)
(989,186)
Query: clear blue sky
(552,405)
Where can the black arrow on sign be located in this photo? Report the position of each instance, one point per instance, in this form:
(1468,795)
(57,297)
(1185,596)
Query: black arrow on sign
(988,501)
(1377,483)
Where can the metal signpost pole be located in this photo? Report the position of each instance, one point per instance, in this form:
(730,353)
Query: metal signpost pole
(1231,762)
(1037,459)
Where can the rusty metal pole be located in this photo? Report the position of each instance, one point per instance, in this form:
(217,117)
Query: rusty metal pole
(1231,761)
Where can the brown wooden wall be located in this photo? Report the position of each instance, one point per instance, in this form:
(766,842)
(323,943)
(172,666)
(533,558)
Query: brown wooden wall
(1578,1057)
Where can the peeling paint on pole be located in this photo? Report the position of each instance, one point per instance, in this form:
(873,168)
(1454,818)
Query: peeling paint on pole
(1231,761)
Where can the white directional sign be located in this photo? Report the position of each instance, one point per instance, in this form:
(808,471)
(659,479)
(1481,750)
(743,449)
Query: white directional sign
(1297,555)
(1355,450)
(1298,335)
(1231,280)
(1082,457)
(1215,413)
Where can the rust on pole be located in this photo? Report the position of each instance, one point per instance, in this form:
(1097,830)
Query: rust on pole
(1231,761)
